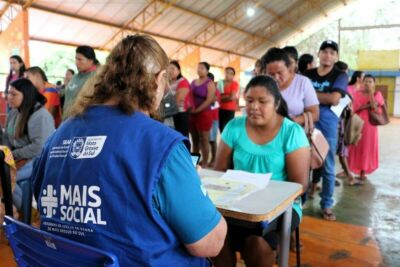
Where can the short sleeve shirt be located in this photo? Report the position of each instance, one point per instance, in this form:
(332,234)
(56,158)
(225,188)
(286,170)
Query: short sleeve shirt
(299,95)
(180,184)
(231,88)
(266,158)
(335,81)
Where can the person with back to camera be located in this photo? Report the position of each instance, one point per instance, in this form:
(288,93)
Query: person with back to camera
(135,190)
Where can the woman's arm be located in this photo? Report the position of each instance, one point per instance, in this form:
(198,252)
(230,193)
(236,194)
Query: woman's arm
(298,166)
(223,160)
(372,102)
(314,110)
(180,96)
(209,100)
(233,95)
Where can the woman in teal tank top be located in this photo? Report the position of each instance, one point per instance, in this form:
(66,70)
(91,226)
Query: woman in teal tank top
(265,141)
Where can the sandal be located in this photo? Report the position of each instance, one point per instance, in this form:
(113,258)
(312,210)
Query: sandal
(354,182)
(341,174)
(328,215)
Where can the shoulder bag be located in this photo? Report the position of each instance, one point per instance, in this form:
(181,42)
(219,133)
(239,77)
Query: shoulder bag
(318,144)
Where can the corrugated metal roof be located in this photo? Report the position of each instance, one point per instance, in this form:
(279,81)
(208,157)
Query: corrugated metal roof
(174,23)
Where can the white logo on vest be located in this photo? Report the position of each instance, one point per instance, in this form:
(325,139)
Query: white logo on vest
(49,201)
(87,147)
(79,204)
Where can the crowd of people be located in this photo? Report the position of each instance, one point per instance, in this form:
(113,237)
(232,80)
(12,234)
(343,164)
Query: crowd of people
(115,140)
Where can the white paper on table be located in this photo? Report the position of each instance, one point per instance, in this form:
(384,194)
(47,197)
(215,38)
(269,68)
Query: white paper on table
(260,180)
(225,192)
(338,109)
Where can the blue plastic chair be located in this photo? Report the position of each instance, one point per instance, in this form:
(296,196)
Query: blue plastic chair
(33,247)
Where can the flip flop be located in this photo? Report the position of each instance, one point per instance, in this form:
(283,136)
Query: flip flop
(355,183)
(341,174)
(328,215)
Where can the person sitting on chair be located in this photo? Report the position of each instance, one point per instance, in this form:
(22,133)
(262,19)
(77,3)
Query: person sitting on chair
(114,178)
(265,141)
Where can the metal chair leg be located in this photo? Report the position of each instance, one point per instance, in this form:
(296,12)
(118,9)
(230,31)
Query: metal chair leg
(298,246)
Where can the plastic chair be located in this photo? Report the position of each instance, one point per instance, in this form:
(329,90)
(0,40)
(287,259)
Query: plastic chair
(33,247)
(27,194)
(6,185)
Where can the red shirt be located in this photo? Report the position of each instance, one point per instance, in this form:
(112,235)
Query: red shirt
(215,112)
(184,84)
(53,101)
(233,87)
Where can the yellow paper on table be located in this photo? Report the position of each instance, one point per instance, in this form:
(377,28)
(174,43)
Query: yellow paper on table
(225,192)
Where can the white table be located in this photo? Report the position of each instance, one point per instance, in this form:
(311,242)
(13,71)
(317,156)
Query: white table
(264,206)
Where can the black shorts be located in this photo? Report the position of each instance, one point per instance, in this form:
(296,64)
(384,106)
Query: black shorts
(239,231)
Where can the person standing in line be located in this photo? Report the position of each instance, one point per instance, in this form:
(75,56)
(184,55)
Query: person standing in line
(67,78)
(364,157)
(291,51)
(86,63)
(330,85)
(356,82)
(215,123)
(203,91)
(180,87)
(296,89)
(228,89)
(306,62)
(17,69)
(342,150)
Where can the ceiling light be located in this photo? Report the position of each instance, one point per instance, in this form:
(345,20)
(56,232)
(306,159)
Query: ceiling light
(250,11)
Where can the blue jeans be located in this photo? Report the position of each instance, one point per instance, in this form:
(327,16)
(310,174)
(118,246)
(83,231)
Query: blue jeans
(327,173)
(22,174)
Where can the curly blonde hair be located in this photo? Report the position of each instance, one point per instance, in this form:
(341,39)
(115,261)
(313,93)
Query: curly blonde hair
(129,75)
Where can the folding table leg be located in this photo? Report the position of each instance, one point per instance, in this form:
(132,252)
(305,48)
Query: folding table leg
(285,237)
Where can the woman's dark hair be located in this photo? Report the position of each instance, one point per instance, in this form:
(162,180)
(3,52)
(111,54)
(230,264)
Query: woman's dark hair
(211,76)
(232,69)
(206,65)
(176,64)
(20,71)
(356,74)
(274,54)
(37,71)
(369,76)
(88,53)
(304,60)
(72,71)
(272,88)
(292,52)
(342,66)
(31,97)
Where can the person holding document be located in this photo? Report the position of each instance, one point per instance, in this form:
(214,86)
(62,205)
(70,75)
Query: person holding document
(265,141)
(330,84)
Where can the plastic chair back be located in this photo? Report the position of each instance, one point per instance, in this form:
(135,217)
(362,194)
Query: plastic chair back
(33,247)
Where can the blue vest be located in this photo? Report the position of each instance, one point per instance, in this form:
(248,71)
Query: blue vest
(95,184)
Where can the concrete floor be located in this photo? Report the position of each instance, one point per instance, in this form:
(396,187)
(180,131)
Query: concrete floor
(376,204)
